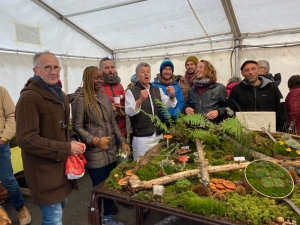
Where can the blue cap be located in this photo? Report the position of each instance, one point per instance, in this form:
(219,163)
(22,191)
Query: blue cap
(166,63)
(133,78)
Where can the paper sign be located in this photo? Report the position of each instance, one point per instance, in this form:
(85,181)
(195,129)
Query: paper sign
(241,159)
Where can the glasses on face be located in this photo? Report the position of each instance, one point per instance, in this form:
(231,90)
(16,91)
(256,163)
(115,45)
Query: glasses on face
(48,69)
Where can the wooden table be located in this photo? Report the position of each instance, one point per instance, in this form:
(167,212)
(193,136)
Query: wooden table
(100,191)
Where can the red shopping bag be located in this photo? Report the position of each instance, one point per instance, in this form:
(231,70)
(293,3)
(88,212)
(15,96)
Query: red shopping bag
(75,166)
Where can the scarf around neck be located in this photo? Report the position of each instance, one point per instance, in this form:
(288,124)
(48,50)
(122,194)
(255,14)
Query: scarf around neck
(114,80)
(189,78)
(55,89)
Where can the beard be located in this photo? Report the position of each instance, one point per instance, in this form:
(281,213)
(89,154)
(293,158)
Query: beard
(108,77)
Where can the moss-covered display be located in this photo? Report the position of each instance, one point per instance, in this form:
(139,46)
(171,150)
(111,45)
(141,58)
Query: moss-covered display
(288,148)
(269,179)
(246,208)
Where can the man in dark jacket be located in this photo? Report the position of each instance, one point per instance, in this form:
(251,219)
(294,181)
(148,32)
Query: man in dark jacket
(256,93)
(42,118)
(264,69)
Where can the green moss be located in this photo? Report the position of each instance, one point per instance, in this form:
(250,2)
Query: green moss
(203,206)
(255,209)
(259,175)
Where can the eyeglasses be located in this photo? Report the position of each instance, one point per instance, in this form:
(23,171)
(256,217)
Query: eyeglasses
(48,69)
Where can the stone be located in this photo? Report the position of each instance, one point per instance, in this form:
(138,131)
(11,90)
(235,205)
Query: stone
(256,120)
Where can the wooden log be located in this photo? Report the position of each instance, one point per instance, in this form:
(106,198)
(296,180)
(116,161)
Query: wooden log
(136,184)
(203,173)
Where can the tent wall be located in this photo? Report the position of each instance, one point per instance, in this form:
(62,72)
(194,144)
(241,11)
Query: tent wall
(283,60)
(16,69)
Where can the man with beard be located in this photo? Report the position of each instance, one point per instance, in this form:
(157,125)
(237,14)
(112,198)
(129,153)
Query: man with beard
(113,88)
(166,78)
(257,93)
(186,81)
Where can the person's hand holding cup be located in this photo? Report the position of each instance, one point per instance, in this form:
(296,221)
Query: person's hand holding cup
(117,100)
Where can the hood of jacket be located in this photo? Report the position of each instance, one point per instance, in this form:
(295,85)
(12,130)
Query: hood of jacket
(264,82)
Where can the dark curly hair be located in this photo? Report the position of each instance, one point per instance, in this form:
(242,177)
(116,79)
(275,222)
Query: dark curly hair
(294,81)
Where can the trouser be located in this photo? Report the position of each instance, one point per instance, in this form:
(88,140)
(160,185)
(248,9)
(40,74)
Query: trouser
(98,175)
(52,214)
(8,179)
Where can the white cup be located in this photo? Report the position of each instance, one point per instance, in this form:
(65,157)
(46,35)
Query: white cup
(117,100)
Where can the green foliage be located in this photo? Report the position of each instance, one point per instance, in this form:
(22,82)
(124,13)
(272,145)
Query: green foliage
(203,206)
(156,121)
(232,127)
(196,120)
(182,183)
(206,136)
(260,176)
(255,209)
(281,147)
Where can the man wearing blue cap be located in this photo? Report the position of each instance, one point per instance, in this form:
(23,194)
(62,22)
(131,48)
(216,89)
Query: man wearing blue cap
(166,78)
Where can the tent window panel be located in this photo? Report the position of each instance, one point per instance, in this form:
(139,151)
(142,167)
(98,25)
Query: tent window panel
(27,34)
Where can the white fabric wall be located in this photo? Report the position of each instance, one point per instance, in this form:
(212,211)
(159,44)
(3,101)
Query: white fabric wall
(16,69)
(284,60)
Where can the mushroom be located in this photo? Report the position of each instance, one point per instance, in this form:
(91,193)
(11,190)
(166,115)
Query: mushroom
(183,159)
(129,172)
(168,136)
(123,181)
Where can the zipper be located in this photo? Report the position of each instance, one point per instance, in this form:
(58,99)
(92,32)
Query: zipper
(254,100)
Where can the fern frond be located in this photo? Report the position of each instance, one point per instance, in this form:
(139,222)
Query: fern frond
(156,121)
(206,136)
(164,111)
(232,127)
(198,120)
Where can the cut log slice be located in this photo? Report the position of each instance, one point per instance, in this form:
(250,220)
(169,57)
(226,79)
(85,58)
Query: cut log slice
(183,151)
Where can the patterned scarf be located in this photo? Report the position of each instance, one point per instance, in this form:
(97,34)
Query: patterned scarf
(55,89)
(202,85)
(111,80)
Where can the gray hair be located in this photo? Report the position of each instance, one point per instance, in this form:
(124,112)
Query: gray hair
(38,55)
(265,64)
(141,64)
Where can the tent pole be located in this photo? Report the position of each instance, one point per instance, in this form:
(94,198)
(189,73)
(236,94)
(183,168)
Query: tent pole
(237,57)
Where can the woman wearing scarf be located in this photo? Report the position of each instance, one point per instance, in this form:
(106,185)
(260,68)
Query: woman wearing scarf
(207,96)
(94,121)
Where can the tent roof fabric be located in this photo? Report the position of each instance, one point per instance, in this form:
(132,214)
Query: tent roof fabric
(124,26)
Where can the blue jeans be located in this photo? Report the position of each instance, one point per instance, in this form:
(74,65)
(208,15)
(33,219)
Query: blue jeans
(97,176)
(52,214)
(8,179)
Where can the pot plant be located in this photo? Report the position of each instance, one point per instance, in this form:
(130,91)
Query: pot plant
(286,148)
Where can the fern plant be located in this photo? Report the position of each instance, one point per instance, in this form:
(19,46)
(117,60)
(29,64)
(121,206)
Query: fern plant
(232,127)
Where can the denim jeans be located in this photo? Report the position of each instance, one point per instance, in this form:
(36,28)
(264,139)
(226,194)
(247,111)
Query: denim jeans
(8,179)
(97,176)
(52,214)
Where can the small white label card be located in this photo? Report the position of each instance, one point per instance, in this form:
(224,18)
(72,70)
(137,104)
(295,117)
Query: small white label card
(240,158)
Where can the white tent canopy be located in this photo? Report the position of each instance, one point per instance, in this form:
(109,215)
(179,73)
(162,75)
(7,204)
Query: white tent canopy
(80,32)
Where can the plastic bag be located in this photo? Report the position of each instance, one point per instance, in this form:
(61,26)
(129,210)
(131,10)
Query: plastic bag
(75,166)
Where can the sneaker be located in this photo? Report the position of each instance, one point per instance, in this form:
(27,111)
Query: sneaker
(112,221)
(24,216)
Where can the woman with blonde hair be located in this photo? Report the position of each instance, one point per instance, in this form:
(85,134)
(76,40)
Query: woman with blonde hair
(94,121)
(207,96)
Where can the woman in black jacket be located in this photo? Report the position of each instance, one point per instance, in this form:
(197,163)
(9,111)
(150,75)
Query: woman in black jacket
(207,96)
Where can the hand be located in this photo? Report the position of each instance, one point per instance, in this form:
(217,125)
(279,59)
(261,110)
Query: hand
(143,95)
(102,142)
(114,106)
(189,110)
(76,148)
(171,91)
(212,114)
(125,148)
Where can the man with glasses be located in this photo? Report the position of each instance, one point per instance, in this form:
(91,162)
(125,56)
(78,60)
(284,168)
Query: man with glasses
(42,118)
(264,69)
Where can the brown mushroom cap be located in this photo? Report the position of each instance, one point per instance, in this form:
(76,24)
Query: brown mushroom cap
(129,172)
(123,181)
(168,136)
(220,186)
(229,184)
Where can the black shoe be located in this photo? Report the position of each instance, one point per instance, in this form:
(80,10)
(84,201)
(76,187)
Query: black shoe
(127,206)
(115,209)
